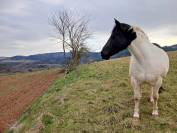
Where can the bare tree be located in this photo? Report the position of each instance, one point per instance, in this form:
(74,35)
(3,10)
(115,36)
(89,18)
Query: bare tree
(59,21)
(72,34)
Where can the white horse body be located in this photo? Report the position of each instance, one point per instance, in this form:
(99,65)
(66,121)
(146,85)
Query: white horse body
(148,64)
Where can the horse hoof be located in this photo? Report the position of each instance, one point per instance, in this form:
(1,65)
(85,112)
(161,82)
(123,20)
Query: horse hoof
(152,100)
(155,113)
(136,115)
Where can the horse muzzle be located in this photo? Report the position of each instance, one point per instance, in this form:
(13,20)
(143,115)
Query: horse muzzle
(105,56)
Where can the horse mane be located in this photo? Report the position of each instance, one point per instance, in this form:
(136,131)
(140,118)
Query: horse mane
(140,33)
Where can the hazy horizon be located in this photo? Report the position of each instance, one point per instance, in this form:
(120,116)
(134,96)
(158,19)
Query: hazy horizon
(25,29)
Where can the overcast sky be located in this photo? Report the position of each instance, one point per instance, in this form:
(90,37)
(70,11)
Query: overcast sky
(25,30)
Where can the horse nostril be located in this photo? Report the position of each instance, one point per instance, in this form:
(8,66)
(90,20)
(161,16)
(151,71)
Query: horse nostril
(105,55)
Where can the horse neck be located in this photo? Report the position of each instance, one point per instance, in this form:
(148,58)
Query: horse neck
(140,48)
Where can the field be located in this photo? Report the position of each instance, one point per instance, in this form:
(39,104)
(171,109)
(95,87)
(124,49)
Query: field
(17,91)
(98,98)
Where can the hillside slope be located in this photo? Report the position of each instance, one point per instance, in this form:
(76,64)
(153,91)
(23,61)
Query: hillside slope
(99,98)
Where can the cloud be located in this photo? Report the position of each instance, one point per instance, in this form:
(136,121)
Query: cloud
(14,7)
(31,47)
(24,24)
(163,35)
(53,2)
(97,41)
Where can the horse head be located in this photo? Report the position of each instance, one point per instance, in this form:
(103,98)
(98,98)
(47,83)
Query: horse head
(121,37)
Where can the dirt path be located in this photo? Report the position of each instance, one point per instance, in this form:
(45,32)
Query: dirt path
(19,90)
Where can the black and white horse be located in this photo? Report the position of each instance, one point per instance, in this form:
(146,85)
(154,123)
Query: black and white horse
(148,62)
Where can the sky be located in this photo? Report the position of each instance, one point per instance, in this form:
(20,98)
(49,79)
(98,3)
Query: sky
(25,28)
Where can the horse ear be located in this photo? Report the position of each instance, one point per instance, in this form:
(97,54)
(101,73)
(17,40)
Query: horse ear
(117,22)
(130,30)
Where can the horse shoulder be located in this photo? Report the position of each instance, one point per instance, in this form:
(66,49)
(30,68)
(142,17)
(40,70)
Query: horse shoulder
(160,57)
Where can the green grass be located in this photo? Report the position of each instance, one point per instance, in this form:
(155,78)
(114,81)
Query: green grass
(98,98)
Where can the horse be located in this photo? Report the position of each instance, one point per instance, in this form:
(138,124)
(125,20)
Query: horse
(148,62)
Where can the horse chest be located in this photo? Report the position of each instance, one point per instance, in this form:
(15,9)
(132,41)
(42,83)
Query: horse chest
(146,72)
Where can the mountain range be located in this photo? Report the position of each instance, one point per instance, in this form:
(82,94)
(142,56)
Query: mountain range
(51,60)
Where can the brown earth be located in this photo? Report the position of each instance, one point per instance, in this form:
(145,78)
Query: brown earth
(18,91)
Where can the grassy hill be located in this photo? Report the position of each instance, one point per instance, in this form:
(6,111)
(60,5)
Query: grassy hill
(98,98)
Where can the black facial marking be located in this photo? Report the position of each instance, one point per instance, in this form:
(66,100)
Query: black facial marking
(121,37)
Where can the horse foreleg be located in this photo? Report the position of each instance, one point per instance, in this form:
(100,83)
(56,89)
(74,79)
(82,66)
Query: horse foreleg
(156,87)
(137,96)
(151,99)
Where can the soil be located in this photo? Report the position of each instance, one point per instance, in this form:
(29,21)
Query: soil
(18,91)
